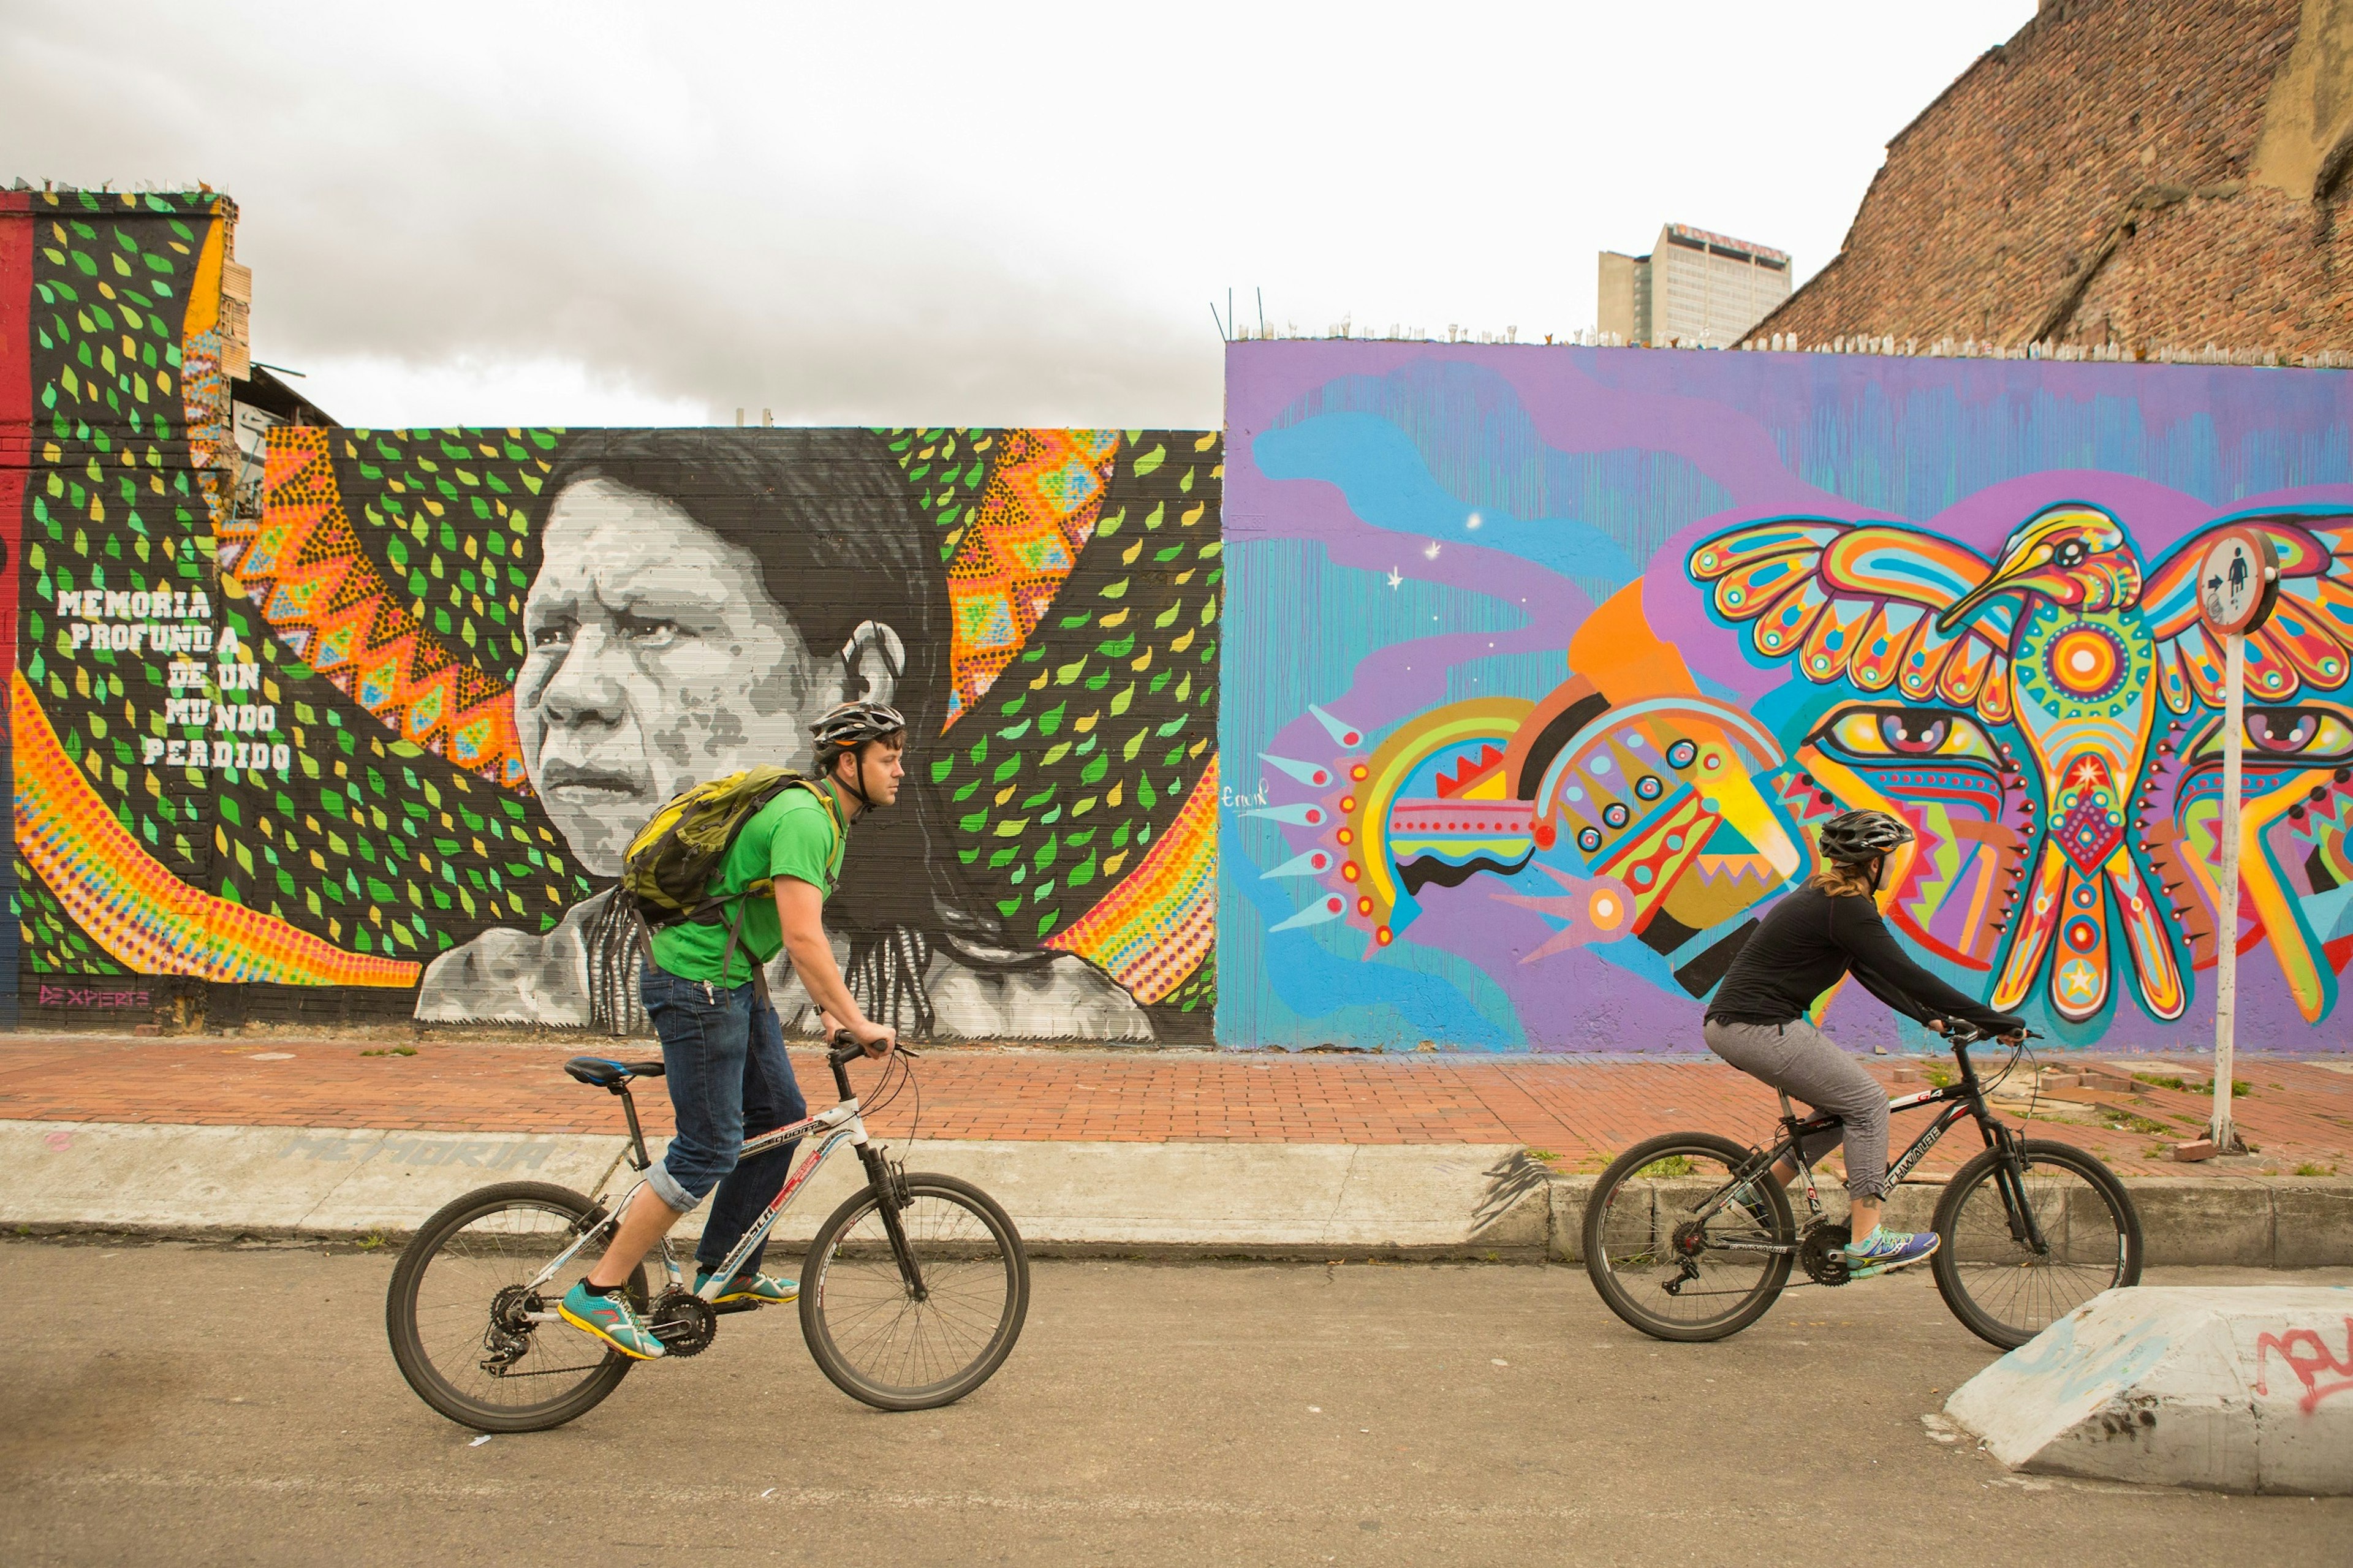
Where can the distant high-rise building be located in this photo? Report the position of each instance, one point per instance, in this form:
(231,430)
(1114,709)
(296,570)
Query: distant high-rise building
(1693,287)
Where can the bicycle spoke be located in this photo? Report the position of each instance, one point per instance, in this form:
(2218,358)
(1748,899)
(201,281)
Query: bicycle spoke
(2004,1278)
(1665,1257)
(492,1368)
(880,1335)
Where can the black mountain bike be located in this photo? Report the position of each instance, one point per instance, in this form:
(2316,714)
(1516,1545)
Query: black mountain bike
(1688,1238)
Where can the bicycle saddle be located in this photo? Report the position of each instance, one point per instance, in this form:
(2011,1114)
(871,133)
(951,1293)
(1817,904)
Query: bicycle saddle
(605,1072)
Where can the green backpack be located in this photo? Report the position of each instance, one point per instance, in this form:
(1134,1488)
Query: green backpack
(674,859)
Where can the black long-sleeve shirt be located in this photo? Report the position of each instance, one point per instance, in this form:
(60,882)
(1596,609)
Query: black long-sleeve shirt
(1809,940)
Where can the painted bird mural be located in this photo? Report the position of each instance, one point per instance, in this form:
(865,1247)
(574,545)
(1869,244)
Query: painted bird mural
(2048,722)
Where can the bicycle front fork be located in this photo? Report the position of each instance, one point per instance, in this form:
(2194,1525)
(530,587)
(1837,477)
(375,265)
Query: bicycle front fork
(890,1199)
(2010,1180)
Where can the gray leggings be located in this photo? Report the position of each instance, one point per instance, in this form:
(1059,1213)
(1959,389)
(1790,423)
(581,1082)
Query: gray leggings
(1800,1058)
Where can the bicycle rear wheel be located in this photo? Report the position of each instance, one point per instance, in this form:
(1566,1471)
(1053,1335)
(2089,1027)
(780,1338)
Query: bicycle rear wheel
(456,1310)
(2003,1290)
(1662,1269)
(898,1344)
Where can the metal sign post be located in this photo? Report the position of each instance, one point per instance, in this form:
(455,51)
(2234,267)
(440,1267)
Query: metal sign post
(2226,954)
(2237,582)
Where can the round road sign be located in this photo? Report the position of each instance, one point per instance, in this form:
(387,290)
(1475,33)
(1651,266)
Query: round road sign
(2238,581)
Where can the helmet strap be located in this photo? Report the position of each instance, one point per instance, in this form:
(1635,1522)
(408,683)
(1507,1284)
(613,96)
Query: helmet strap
(857,767)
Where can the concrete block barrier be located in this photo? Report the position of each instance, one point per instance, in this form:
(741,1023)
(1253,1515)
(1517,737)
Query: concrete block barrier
(2245,1389)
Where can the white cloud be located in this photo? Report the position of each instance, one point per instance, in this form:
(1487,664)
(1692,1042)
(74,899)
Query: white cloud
(930,212)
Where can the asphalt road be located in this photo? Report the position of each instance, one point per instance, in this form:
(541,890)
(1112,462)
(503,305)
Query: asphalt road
(196,1405)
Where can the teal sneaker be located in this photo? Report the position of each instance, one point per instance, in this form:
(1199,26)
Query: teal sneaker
(1885,1249)
(612,1319)
(764,1289)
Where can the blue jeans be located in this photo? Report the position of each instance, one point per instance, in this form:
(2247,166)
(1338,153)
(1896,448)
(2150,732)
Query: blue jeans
(729,1079)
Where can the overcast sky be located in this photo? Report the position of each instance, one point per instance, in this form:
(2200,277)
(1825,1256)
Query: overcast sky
(917,213)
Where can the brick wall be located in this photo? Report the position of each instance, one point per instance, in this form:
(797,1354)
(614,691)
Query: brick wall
(2136,172)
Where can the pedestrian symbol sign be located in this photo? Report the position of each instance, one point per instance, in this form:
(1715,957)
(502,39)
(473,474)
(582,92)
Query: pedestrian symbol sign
(2238,578)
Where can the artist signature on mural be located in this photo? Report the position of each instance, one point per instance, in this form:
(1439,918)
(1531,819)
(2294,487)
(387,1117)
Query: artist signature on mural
(2309,1357)
(76,997)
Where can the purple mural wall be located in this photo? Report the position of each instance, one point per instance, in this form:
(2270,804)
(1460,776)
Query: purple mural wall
(1543,663)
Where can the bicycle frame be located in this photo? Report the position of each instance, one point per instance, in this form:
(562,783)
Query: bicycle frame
(842,1124)
(1963,1100)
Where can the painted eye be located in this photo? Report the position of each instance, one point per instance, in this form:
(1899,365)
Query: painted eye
(2069,554)
(1884,734)
(1914,732)
(1589,839)
(2307,734)
(1647,786)
(1682,754)
(1615,813)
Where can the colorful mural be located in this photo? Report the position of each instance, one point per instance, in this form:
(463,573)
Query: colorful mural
(1550,657)
(371,747)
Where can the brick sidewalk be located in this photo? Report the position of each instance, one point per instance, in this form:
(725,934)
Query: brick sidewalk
(1580,1109)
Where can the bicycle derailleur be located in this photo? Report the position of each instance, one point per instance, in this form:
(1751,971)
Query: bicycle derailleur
(1821,1251)
(508,1339)
(684,1322)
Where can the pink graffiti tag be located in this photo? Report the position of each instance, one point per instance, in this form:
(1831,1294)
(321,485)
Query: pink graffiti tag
(2308,1356)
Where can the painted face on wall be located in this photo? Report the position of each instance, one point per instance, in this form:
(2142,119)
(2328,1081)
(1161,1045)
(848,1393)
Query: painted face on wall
(655,661)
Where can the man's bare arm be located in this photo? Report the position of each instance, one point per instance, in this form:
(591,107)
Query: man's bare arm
(800,909)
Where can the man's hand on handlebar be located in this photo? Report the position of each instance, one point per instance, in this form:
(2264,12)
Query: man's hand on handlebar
(874,1039)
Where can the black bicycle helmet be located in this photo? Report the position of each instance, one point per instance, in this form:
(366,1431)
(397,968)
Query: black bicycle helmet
(1855,837)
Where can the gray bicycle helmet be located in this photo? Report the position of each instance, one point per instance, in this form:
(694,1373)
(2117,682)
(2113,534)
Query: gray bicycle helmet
(848,726)
(1853,837)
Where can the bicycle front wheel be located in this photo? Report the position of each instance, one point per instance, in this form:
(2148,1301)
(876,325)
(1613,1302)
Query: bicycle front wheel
(458,1311)
(1662,1268)
(2004,1290)
(916,1331)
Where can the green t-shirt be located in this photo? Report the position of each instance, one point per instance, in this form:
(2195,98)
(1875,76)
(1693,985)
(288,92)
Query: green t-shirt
(792,835)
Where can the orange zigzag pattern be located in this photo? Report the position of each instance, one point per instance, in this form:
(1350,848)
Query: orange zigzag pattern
(302,566)
(132,905)
(1044,494)
(1154,929)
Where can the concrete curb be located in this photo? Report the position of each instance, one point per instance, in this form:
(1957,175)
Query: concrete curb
(1253,1200)
(1267,1200)
(2254,1222)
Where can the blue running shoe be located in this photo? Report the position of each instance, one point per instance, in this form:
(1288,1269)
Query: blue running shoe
(765,1288)
(612,1319)
(1885,1249)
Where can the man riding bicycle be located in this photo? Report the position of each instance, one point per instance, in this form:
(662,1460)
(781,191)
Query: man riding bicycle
(1758,1018)
(723,1045)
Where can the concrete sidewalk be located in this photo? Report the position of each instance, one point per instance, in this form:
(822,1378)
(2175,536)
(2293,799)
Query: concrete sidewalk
(1263,1153)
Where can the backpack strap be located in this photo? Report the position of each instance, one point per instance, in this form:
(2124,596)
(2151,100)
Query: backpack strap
(714,902)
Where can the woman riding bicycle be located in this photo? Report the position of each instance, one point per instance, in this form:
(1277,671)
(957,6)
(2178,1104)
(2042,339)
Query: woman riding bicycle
(1757,1019)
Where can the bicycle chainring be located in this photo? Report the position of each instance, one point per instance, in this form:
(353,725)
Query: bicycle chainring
(684,1322)
(1822,1252)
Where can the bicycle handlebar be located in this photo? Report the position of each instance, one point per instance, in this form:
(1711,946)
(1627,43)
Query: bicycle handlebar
(1961,1036)
(846,1048)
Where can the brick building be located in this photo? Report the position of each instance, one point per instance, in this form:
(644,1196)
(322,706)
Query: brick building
(2120,175)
